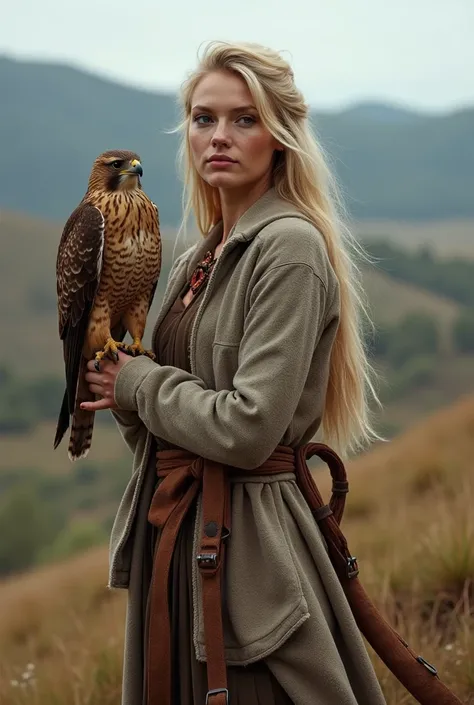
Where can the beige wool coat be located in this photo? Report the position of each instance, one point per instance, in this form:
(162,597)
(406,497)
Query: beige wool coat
(260,348)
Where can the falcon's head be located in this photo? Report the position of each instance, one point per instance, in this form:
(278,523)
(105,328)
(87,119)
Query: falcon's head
(116,170)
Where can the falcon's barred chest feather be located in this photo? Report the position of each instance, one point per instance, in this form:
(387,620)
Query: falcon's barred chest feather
(131,261)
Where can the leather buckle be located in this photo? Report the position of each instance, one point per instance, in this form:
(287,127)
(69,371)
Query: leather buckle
(216,691)
(207,560)
(352,567)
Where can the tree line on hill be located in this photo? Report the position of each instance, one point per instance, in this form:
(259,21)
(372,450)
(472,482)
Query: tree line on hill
(453,278)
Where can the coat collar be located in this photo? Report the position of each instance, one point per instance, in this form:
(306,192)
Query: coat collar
(265,210)
(269,207)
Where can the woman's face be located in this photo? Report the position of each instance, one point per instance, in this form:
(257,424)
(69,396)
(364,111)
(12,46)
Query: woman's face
(230,145)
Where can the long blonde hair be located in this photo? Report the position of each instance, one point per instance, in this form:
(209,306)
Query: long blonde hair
(301,176)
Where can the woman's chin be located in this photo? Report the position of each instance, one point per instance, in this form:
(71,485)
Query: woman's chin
(223,180)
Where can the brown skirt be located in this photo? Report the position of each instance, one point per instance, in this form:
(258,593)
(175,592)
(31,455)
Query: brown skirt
(248,685)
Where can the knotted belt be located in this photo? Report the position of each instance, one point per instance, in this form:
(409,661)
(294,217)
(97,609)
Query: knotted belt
(183,475)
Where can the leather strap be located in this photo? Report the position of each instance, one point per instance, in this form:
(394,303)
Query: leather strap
(183,474)
(419,677)
(216,525)
(182,477)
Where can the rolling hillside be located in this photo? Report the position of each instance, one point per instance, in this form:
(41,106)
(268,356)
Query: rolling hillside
(55,120)
(65,623)
(27,281)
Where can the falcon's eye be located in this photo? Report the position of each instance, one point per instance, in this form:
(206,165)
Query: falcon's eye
(117,164)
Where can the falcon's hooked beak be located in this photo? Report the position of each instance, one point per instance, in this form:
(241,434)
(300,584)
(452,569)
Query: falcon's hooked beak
(134,170)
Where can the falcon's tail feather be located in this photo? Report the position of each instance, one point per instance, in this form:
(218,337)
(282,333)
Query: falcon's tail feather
(63,421)
(81,434)
(82,421)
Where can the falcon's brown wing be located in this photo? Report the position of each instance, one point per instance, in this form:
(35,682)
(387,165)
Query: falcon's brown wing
(78,270)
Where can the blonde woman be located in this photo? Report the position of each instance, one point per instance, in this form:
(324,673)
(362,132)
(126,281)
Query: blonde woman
(258,347)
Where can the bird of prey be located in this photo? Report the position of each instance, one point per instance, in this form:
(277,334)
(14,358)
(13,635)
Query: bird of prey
(107,268)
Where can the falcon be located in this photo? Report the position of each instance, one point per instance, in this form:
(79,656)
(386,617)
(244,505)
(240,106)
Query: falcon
(107,268)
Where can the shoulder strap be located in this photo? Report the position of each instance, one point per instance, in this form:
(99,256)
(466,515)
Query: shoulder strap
(418,676)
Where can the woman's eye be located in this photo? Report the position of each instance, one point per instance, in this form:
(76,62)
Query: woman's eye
(202,119)
(247,120)
(117,164)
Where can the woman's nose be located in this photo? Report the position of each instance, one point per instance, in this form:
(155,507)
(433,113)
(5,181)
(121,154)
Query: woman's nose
(221,136)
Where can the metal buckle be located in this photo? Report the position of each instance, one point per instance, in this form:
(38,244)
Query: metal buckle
(216,691)
(207,560)
(352,567)
(432,669)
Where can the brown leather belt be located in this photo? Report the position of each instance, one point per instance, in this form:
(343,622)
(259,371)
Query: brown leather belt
(183,475)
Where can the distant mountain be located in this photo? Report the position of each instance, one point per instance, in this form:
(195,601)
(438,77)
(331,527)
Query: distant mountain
(54,120)
(381,112)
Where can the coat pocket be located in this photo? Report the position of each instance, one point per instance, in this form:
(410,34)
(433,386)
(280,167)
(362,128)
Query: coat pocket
(225,362)
(263,600)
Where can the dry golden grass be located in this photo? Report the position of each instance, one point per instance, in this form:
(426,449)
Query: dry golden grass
(409,520)
(69,627)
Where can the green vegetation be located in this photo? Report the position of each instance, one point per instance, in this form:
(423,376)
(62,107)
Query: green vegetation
(27,523)
(26,402)
(23,403)
(415,334)
(45,517)
(452,278)
(464,332)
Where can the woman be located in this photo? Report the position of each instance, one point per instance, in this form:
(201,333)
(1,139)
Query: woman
(258,345)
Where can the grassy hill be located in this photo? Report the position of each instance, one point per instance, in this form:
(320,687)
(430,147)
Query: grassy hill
(65,623)
(55,119)
(27,271)
(391,299)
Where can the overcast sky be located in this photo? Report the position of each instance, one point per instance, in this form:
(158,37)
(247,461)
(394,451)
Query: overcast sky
(418,53)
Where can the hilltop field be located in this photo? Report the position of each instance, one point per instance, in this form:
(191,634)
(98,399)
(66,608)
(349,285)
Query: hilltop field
(408,519)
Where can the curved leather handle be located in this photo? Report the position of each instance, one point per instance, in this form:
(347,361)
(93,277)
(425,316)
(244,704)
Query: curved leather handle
(340,485)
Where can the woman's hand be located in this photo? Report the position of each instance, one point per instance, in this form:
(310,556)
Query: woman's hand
(103,382)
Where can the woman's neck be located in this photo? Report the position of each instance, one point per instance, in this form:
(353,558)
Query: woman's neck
(235,202)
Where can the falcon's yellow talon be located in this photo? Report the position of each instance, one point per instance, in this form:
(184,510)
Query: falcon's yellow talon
(110,349)
(137,349)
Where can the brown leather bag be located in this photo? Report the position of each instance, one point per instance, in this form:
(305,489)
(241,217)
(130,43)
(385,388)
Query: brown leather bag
(418,676)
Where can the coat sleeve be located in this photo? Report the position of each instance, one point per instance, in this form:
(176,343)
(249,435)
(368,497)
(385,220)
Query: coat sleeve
(240,426)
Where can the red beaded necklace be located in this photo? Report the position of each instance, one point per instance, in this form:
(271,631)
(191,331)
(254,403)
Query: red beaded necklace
(202,272)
